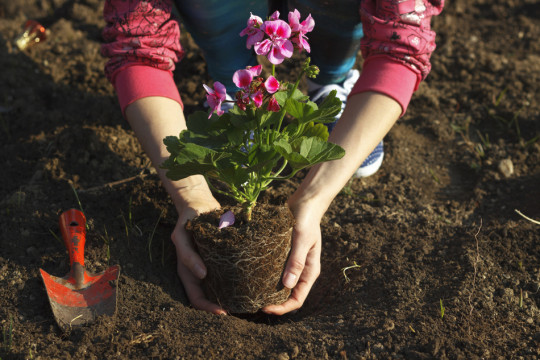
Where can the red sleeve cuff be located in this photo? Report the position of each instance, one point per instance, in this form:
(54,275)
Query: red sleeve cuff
(390,77)
(139,81)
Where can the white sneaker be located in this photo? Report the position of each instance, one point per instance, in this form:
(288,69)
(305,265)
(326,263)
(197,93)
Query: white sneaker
(372,163)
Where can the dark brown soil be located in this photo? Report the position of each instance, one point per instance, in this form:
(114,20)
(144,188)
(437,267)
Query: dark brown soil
(436,226)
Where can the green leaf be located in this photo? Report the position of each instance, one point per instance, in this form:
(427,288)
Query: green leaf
(193,159)
(268,118)
(234,176)
(319,131)
(328,109)
(282,96)
(198,122)
(212,140)
(243,122)
(299,110)
(173,144)
(304,152)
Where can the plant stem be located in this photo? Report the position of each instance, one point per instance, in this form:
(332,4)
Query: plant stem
(283,112)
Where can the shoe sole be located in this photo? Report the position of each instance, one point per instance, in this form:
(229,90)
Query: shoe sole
(370,169)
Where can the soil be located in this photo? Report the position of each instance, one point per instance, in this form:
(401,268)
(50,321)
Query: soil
(435,228)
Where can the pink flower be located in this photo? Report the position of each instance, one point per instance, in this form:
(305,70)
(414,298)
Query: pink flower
(253,31)
(300,29)
(215,97)
(243,78)
(271,84)
(257,98)
(255,70)
(278,46)
(273,105)
(274,16)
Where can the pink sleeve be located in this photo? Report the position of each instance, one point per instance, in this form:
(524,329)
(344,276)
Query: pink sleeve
(142,42)
(397,46)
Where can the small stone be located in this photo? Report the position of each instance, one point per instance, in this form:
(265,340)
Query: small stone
(295,351)
(506,167)
(283,356)
(389,325)
(530,320)
(376,348)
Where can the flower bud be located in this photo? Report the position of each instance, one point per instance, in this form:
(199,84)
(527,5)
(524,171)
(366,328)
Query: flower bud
(311,70)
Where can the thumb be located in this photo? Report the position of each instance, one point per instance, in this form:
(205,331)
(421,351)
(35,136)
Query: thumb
(296,262)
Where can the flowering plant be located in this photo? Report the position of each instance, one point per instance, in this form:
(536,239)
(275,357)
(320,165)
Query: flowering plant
(249,146)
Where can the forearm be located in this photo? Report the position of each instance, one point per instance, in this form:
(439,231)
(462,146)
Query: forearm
(152,119)
(366,120)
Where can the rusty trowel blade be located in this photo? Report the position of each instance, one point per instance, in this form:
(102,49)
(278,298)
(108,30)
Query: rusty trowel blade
(76,307)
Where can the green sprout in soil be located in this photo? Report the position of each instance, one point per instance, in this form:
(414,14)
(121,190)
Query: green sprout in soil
(129,227)
(107,241)
(56,237)
(78,202)
(7,335)
(151,237)
(442,308)
(435,177)
(484,139)
(354,266)
(347,189)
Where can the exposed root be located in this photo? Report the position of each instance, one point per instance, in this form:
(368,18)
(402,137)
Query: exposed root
(246,278)
(528,218)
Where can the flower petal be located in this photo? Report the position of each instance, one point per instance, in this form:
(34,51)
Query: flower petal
(275,15)
(257,98)
(273,105)
(255,70)
(294,20)
(271,84)
(221,90)
(242,78)
(226,219)
(262,48)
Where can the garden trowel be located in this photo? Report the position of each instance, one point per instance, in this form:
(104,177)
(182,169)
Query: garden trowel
(79,297)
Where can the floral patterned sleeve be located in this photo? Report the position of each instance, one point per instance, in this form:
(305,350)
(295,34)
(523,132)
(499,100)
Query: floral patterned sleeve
(397,46)
(142,42)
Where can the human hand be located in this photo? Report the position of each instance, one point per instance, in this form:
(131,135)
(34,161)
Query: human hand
(190,266)
(304,263)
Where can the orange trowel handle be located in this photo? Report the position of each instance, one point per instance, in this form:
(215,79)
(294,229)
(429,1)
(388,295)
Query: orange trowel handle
(73,227)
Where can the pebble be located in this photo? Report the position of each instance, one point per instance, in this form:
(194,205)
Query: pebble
(506,167)
(283,356)
(295,351)
(389,325)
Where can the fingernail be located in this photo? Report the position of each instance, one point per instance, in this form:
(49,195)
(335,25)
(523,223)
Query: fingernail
(289,281)
(200,272)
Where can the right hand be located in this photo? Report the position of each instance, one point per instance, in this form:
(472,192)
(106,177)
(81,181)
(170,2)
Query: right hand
(190,266)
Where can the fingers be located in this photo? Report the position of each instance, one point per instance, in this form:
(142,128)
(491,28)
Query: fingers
(194,292)
(191,270)
(185,252)
(307,265)
(304,243)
